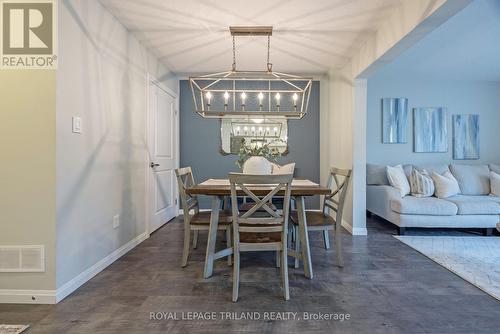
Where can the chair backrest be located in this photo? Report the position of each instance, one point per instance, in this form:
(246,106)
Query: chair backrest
(270,220)
(338,182)
(185,179)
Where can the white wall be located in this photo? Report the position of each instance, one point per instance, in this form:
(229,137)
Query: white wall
(102,78)
(346,118)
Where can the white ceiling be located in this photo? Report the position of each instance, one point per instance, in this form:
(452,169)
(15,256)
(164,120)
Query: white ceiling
(310,36)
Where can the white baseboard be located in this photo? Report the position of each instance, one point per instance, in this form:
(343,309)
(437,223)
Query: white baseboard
(85,276)
(27,296)
(355,230)
(55,296)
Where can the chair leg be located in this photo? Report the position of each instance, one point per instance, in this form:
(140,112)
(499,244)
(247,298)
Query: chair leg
(185,251)
(297,247)
(284,270)
(195,239)
(228,238)
(326,239)
(277,257)
(338,244)
(236,266)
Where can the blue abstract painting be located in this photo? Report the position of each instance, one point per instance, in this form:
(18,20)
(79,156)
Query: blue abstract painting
(465,137)
(430,130)
(394,120)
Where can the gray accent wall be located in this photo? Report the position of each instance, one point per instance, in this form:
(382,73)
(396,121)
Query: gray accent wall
(482,98)
(200,142)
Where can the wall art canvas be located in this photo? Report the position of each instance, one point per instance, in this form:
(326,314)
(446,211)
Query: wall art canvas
(430,130)
(394,120)
(465,137)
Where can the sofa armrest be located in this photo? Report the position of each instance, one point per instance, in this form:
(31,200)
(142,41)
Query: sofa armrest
(378,199)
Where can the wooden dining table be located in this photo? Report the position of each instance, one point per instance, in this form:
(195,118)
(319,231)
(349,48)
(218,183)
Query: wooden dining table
(220,188)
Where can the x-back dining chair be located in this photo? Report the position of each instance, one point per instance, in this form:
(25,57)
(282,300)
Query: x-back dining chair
(199,221)
(262,227)
(338,182)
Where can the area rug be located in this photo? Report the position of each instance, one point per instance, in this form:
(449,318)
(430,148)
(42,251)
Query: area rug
(475,259)
(12,329)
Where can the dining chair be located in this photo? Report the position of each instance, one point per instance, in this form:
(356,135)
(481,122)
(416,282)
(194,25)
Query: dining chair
(275,170)
(254,230)
(338,182)
(198,221)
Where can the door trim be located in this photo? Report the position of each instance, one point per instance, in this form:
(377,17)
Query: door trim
(151,79)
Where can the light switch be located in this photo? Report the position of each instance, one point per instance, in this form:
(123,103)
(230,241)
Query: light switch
(77,125)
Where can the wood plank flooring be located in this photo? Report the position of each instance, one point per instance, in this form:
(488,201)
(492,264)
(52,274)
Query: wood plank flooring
(385,287)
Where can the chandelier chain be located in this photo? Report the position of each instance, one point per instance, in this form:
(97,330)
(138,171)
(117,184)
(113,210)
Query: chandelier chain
(234,54)
(269,65)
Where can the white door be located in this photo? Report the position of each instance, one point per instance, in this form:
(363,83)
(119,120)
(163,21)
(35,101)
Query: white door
(163,156)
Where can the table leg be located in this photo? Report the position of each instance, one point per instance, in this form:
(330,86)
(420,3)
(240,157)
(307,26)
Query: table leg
(304,237)
(212,237)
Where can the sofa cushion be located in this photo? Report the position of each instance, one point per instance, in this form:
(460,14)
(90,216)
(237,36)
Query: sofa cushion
(410,205)
(472,179)
(436,168)
(495,168)
(376,175)
(476,205)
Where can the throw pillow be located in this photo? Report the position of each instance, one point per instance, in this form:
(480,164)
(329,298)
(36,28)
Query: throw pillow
(397,179)
(421,183)
(446,185)
(285,169)
(495,183)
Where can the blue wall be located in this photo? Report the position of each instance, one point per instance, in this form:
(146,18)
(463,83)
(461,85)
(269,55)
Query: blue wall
(200,142)
(481,98)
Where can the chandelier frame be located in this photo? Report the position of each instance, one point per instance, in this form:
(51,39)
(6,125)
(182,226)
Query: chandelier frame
(228,84)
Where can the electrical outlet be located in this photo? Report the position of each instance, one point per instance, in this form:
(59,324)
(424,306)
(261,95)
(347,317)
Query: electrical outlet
(116,221)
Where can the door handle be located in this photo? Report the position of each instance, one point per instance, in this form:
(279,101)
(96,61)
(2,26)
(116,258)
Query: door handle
(153,165)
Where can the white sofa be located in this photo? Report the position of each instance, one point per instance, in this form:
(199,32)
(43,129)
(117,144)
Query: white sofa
(473,208)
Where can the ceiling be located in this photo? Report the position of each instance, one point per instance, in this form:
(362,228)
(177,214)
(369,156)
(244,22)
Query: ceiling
(466,48)
(310,36)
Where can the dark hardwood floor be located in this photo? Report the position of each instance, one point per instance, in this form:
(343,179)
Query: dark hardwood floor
(385,287)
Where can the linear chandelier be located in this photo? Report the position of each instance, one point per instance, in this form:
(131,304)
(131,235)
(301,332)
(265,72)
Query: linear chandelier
(243,94)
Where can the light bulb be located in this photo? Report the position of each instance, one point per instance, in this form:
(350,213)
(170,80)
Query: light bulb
(275,129)
(260,128)
(253,128)
(295,97)
(238,128)
(267,129)
(226,97)
(209,98)
(261,97)
(243,97)
(245,128)
(278,97)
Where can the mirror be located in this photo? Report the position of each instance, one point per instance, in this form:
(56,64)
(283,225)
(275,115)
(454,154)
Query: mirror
(236,131)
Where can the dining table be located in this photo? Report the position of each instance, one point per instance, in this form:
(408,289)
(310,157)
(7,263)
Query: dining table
(218,189)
